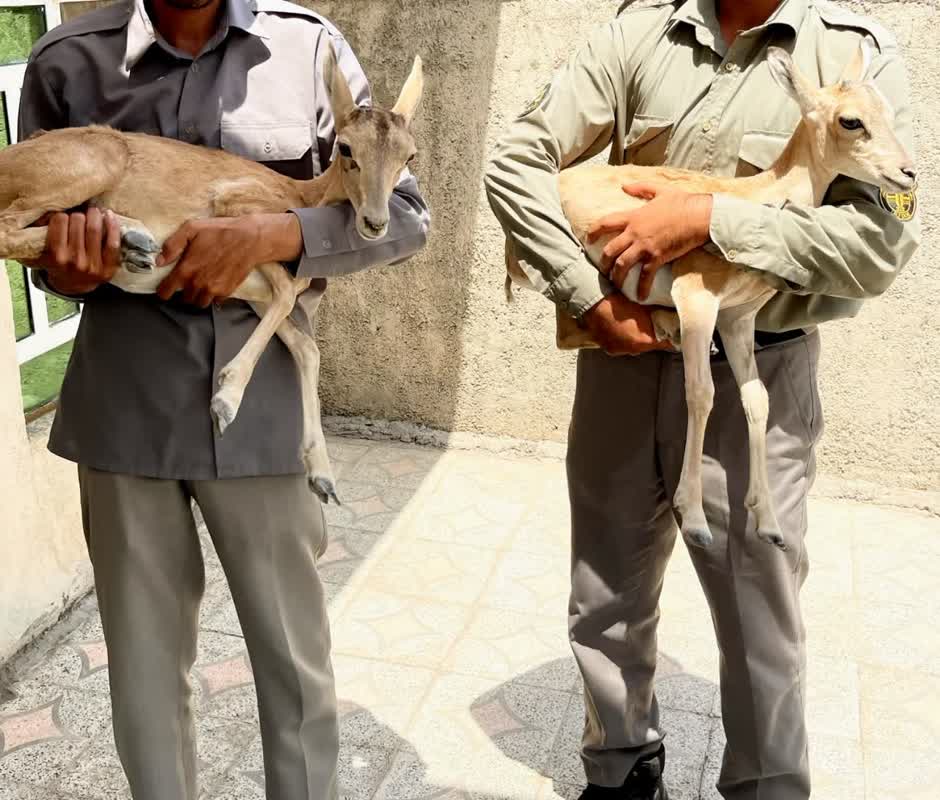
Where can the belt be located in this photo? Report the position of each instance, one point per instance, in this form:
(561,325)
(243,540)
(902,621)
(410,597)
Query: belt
(761,339)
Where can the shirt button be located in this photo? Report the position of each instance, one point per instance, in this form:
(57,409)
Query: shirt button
(195,67)
(732,255)
(327,244)
(268,147)
(707,125)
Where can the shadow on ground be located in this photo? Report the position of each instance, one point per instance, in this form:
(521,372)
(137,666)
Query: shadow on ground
(515,712)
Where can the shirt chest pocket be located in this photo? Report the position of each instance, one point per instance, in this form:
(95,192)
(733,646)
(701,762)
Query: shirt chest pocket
(285,147)
(760,150)
(647,141)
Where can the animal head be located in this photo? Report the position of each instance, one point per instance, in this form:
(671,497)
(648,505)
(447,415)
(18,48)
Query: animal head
(374,145)
(851,122)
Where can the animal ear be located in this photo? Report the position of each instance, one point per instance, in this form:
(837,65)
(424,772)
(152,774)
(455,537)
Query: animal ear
(411,92)
(341,99)
(791,80)
(859,63)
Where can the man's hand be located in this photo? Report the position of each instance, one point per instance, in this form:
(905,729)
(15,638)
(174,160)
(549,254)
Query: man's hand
(83,250)
(670,225)
(622,327)
(216,255)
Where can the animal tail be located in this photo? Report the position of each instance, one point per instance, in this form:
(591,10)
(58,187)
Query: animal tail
(508,287)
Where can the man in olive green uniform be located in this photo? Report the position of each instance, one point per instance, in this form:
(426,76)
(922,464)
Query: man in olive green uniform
(687,84)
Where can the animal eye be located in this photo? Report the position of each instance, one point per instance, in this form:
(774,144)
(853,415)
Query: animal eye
(344,150)
(851,123)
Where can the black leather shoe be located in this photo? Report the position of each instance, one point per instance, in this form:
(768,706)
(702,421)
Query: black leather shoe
(645,782)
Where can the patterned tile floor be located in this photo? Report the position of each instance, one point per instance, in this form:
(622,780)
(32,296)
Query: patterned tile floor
(447,577)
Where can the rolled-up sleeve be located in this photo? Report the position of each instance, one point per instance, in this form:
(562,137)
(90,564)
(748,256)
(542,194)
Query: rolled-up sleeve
(332,245)
(850,247)
(574,120)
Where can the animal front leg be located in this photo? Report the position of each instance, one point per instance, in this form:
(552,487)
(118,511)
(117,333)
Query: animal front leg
(698,310)
(737,334)
(316,459)
(234,376)
(138,247)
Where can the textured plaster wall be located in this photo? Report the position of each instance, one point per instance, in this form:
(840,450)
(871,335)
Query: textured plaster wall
(432,341)
(43,566)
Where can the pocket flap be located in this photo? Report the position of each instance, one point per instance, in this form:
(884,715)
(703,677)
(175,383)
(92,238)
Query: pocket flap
(644,129)
(763,148)
(265,141)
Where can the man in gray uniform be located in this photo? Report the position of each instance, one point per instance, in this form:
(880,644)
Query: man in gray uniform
(133,412)
(687,84)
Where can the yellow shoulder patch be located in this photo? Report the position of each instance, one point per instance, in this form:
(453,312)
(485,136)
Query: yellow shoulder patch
(902,204)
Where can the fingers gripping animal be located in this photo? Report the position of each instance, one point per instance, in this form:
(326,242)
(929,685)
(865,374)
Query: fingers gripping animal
(154,185)
(846,129)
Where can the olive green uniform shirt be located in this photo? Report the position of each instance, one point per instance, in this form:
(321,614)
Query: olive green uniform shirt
(660,86)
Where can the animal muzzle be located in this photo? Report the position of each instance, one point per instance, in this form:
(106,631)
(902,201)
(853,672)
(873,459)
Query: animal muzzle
(373,226)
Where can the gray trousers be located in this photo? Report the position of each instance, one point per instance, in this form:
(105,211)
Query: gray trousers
(625,455)
(150,577)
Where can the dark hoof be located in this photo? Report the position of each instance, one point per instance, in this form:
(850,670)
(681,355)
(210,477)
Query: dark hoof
(222,413)
(324,489)
(700,537)
(138,252)
(775,539)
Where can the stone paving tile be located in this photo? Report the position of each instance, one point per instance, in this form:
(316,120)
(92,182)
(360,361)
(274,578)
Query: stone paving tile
(394,465)
(447,576)
(22,791)
(97,774)
(367,506)
(377,700)
(564,762)
(345,553)
(403,630)
(504,644)
(529,583)
(434,571)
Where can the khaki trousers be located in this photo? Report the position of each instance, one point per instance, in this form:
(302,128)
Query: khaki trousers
(625,454)
(149,575)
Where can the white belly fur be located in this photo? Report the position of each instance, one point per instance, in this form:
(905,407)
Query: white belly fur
(255,288)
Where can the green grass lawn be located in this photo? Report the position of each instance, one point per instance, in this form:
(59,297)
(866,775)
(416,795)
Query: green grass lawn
(41,377)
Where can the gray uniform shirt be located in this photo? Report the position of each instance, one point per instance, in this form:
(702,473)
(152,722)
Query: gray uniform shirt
(136,393)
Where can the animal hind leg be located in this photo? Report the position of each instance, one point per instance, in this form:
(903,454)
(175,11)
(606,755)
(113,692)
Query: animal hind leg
(737,334)
(698,311)
(234,376)
(667,327)
(314,453)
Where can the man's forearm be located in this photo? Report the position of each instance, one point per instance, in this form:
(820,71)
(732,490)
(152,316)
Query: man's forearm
(70,285)
(280,237)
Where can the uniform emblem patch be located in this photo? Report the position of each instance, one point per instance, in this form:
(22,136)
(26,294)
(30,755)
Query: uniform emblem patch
(537,100)
(902,204)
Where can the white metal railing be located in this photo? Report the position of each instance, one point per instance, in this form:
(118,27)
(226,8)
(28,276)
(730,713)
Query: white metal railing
(44,336)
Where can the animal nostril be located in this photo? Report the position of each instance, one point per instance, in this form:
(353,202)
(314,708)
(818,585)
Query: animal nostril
(909,172)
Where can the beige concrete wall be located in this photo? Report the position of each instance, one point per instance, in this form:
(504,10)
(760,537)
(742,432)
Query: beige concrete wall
(43,566)
(432,341)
